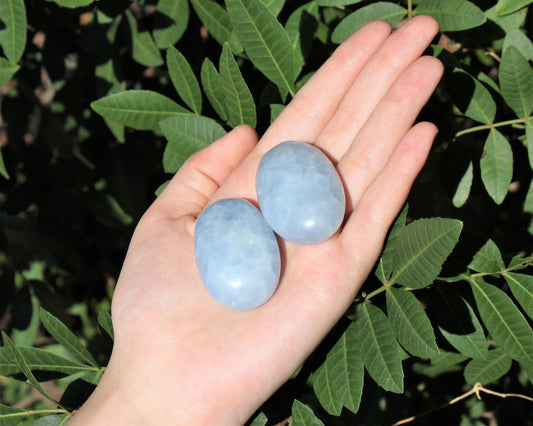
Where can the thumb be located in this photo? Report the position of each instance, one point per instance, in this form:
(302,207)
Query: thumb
(205,172)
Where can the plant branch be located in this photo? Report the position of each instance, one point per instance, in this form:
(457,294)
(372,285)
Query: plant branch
(409,9)
(477,390)
(493,126)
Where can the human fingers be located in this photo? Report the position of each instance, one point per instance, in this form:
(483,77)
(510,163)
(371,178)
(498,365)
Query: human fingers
(316,102)
(392,58)
(387,125)
(364,232)
(203,173)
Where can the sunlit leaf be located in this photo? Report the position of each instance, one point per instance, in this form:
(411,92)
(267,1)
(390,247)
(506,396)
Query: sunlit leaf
(7,70)
(238,99)
(504,7)
(105,321)
(471,97)
(64,336)
(507,326)
(487,259)
(379,348)
(382,10)
(186,135)
(516,81)
(11,416)
(40,360)
(302,415)
(497,166)
(215,18)
(170,22)
(212,85)
(453,15)
(520,41)
(13,30)
(139,109)
(265,41)
(339,380)
(521,286)
(459,324)
(301,28)
(421,249)
(487,370)
(384,268)
(410,323)
(144,50)
(72,4)
(184,80)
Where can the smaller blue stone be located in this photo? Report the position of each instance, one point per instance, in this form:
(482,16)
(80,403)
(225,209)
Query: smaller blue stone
(237,254)
(300,193)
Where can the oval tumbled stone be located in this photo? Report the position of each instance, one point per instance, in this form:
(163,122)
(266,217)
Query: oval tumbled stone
(300,193)
(237,254)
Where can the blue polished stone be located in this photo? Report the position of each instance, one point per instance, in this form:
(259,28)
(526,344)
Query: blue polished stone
(300,193)
(237,254)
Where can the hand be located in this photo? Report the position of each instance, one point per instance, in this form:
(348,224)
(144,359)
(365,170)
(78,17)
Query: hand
(179,356)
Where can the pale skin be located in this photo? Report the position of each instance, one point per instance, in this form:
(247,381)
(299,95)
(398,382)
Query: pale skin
(179,357)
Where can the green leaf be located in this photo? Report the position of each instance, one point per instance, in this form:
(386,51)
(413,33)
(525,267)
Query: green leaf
(40,360)
(238,99)
(52,420)
(106,209)
(529,141)
(471,97)
(64,336)
(504,7)
(520,41)
(3,170)
(215,18)
(213,88)
(386,11)
(274,6)
(521,286)
(487,259)
(459,324)
(384,268)
(15,354)
(139,109)
(260,420)
(339,380)
(410,323)
(301,28)
(448,358)
(336,2)
(13,32)
(184,80)
(496,166)
(516,81)
(503,320)
(7,70)
(105,321)
(143,48)
(302,415)
(488,370)
(72,4)
(170,22)
(186,135)
(10,416)
(453,15)
(379,348)
(421,249)
(265,41)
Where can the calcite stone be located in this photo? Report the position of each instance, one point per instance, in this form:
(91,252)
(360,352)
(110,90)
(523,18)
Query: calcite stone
(300,193)
(237,254)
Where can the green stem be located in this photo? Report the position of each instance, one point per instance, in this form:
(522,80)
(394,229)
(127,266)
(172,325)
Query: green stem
(376,292)
(409,9)
(493,126)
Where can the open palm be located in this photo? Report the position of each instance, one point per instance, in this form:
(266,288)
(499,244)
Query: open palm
(179,356)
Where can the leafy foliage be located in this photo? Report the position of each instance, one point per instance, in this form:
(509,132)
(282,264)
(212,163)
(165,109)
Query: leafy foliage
(100,102)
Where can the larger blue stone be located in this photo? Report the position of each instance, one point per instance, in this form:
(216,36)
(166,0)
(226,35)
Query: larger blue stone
(300,193)
(237,254)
